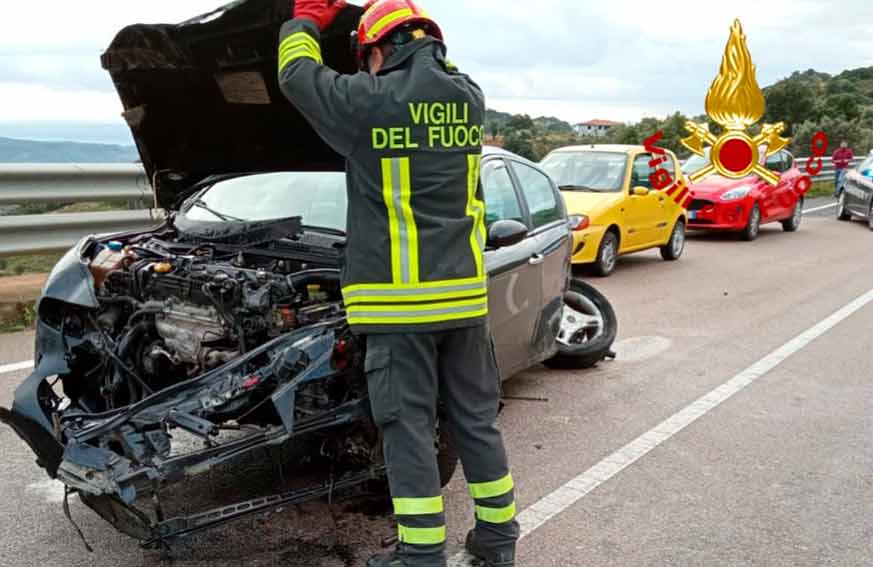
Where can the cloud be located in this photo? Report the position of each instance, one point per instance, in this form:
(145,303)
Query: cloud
(27,102)
(615,59)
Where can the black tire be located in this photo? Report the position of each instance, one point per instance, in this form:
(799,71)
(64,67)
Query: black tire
(843,213)
(607,255)
(588,353)
(676,245)
(792,223)
(753,227)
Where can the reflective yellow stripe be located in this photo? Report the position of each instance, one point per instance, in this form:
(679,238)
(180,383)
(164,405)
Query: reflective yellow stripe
(416,307)
(423,286)
(431,297)
(393,222)
(298,45)
(476,210)
(299,38)
(387,20)
(397,194)
(421,536)
(493,488)
(411,228)
(496,515)
(417,506)
(300,52)
(367,318)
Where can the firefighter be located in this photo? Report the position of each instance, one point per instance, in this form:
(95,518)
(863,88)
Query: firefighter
(410,126)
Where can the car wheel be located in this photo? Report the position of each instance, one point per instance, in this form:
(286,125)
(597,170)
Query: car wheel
(793,223)
(676,245)
(607,255)
(588,328)
(753,227)
(842,211)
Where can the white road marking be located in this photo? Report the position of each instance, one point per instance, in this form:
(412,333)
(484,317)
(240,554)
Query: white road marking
(640,348)
(567,495)
(52,491)
(831,206)
(26,365)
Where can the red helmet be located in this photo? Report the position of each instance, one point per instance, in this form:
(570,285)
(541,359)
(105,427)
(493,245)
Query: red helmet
(382,17)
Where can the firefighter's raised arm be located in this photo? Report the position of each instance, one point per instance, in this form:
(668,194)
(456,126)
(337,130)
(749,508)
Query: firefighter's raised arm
(335,104)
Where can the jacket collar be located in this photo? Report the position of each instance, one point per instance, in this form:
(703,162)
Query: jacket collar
(406,52)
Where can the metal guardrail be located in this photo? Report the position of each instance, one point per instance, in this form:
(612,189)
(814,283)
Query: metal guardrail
(828,166)
(69,183)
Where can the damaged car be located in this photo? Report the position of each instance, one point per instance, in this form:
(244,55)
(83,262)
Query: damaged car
(225,325)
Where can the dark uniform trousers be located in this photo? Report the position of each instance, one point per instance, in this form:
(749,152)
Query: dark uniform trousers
(406,374)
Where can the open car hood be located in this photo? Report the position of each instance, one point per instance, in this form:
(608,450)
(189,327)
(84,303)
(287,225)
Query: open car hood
(202,97)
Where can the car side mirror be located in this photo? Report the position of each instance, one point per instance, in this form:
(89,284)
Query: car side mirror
(505,233)
(640,191)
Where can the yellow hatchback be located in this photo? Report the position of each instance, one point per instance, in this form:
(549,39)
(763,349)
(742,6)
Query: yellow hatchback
(618,211)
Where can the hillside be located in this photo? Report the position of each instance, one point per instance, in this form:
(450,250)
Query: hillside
(809,101)
(31,151)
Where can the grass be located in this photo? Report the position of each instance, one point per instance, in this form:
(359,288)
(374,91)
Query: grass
(18,265)
(17,317)
(821,188)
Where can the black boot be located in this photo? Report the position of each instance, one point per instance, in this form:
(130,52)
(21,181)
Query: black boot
(490,558)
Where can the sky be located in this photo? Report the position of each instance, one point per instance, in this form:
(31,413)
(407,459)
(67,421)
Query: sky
(577,60)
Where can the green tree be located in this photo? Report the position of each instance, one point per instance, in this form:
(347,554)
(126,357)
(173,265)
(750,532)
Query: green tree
(844,105)
(791,101)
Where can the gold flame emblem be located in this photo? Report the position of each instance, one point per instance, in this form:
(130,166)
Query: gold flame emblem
(736,102)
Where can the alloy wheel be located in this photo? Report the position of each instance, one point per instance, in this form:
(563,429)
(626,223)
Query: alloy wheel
(610,255)
(678,243)
(581,320)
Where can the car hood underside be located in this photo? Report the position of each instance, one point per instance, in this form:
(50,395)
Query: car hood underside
(202,97)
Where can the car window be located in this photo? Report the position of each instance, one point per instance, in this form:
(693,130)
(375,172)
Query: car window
(787,161)
(774,163)
(320,198)
(539,193)
(641,171)
(501,201)
(599,172)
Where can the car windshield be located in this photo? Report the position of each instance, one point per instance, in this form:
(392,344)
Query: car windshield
(320,198)
(696,163)
(587,171)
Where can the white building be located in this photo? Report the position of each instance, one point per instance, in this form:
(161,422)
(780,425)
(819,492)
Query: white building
(595,127)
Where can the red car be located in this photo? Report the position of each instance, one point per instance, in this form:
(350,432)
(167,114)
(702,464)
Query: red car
(743,205)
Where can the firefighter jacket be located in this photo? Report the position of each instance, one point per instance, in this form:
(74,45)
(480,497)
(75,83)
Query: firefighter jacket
(412,139)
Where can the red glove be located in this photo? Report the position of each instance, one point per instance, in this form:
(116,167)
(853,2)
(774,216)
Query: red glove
(321,12)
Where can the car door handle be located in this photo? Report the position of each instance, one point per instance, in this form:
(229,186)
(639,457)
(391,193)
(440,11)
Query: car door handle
(536,260)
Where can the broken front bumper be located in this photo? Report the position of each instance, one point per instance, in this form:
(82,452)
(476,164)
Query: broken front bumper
(74,446)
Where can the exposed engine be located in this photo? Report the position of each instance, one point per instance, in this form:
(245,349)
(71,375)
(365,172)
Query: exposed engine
(174,314)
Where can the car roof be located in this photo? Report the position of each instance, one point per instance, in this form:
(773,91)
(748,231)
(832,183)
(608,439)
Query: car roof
(615,148)
(488,151)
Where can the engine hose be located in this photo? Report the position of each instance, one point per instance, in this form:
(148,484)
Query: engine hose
(130,339)
(300,280)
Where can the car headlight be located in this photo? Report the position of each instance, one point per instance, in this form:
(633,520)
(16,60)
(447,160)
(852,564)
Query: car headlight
(735,194)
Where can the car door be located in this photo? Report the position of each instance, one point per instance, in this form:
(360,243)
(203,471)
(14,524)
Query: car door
(771,206)
(641,211)
(513,282)
(858,193)
(553,248)
(786,196)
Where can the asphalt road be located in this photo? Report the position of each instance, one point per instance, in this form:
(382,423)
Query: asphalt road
(774,472)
